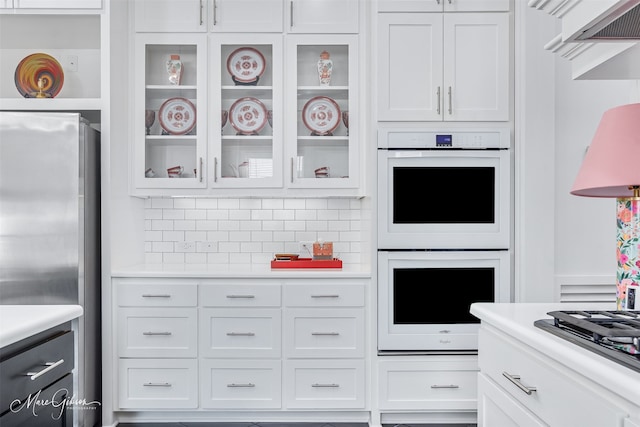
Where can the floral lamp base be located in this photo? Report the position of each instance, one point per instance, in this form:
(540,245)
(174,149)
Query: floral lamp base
(628,254)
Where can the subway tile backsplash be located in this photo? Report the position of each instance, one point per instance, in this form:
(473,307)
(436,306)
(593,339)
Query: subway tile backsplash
(239,231)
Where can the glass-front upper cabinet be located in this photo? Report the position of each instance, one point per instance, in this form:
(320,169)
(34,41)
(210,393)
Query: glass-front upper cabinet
(170,111)
(322,117)
(245,139)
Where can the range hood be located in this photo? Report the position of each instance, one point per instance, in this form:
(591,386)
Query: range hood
(602,20)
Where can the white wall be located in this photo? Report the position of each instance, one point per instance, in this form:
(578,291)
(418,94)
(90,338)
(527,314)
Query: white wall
(585,240)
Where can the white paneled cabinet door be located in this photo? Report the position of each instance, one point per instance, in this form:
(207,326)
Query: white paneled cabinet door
(497,408)
(476,67)
(245,140)
(54,4)
(322,119)
(443,5)
(6,4)
(170,118)
(443,67)
(170,16)
(323,16)
(254,16)
(410,66)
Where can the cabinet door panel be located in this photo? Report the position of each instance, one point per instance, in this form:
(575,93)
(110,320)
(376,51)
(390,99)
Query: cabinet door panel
(496,408)
(170,15)
(256,16)
(410,66)
(57,4)
(476,67)
(323,16)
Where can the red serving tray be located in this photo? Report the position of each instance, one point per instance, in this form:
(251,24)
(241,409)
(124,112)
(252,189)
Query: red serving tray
(307,263)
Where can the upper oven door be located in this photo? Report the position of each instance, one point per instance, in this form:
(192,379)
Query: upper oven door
(444,199)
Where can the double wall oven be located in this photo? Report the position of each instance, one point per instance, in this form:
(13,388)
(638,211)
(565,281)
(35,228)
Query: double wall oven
(444,234)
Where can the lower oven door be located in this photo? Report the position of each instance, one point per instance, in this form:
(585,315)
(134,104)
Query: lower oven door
(424,297)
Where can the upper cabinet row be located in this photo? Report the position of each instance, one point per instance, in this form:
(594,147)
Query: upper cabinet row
(232,112)
(256,16)
(461,71)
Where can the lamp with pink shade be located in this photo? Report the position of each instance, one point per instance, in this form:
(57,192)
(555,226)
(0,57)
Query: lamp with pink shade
(611,168)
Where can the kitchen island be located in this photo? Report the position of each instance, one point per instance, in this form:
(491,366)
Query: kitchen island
(530,377)
(18,322)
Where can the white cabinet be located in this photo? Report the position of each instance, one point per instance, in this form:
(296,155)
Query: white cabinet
(443,5)
(251,132)
(156,344)
(170,16)
(325,384)
(418,383)
(323,16)
(51,4)
(231,344)
(497,408)
(525,386)
(169,117)
(255,16)
(443,66)
(251,16)
(322,120)
(157,383)
(240,384)
(246,147)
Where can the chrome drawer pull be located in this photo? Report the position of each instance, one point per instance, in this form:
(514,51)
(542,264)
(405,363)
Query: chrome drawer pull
(157,384)
(445,386)
(325,296)
(49,367)
(156,333)
(515,379)
(156,296)
(241,334)
(241,296)
(240,385)
(325,385)
(326,333)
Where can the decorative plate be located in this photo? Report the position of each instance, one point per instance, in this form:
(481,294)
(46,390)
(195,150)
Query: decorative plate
(246,64)
(177,116)
(248,115)
(321,115)
(39,67)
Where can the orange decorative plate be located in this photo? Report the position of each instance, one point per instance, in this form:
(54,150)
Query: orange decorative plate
(39,67)
(177,116)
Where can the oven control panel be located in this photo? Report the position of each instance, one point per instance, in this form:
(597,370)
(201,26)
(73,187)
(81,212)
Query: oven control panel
(498,138)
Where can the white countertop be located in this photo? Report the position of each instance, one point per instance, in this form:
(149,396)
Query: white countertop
(517,320)
(22,321)
(239,271)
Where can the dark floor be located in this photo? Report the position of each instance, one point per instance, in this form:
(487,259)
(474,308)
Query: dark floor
(272,424)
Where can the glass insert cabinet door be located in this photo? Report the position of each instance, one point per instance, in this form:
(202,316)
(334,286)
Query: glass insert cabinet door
(170,114)
(246,133)
(322,116)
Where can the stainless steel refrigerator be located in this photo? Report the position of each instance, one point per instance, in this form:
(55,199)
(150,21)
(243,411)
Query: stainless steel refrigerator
(50,228)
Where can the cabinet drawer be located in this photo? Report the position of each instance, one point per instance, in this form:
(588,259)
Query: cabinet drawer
(324,384)
(552,383)
(324,333)
(324,295)
(157,332)
(48,415)
(36,368)
(240,296)
(244,333)
(158,383)
(157,295)
(233,384)
(447,383)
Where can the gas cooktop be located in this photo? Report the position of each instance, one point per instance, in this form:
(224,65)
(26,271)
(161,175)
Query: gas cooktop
(611,334)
